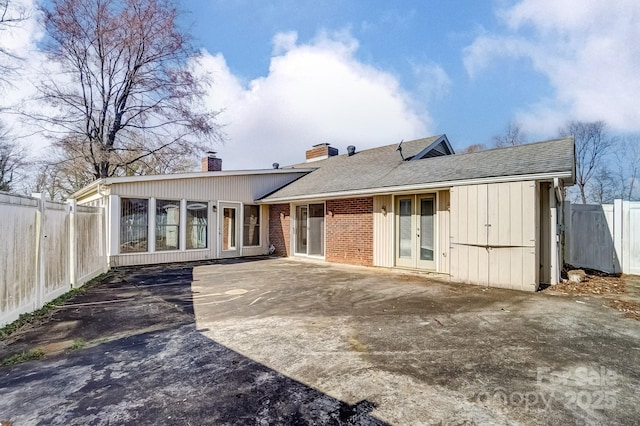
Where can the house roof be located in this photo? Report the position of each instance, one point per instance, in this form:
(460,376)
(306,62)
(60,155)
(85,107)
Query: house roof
(192,175)
(382,170)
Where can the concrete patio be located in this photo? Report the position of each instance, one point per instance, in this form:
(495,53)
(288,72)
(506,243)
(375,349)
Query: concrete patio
(278,341)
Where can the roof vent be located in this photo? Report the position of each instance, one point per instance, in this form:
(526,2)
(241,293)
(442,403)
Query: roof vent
(276,165)
(351,150)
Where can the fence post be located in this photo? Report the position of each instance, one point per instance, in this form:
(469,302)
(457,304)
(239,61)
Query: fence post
(73,246)
(39,255)
(618,227)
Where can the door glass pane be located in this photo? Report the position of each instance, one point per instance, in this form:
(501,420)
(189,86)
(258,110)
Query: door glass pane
(404,229)
(229,229)
(316,229)
(301,229)
(426,229)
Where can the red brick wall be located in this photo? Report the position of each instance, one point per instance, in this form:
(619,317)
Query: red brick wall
(350,231)
(279,230)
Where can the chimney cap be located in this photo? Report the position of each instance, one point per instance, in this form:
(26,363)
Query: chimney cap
(212,153)
(321,144)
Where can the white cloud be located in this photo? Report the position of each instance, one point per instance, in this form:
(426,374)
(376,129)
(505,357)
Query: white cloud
(20,41)
(433,81)
(587,49)
(314,92)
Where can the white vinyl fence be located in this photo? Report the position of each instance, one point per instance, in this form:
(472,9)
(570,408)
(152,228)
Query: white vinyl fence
(604,237)
(46,249)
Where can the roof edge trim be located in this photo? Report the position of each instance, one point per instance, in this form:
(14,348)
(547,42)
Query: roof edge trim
(417,187)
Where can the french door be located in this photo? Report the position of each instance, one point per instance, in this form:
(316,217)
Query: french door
(309,230)
(415,231)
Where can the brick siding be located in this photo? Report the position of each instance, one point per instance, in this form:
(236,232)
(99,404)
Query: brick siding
(350,231)
(279,229)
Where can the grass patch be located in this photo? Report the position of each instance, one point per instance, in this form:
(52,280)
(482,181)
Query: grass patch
(36,353)
(77,344)
(37,315)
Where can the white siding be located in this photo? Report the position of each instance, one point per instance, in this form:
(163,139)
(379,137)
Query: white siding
(244,189)
(383,241)
(494,235)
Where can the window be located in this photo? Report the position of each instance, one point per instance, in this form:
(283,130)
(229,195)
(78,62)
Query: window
(251,235)
(167,225)
(134,229)
(196,225)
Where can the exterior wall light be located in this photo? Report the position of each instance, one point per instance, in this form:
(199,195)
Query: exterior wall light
(384,210)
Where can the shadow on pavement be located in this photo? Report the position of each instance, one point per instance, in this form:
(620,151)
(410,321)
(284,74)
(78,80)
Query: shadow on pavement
(145,362)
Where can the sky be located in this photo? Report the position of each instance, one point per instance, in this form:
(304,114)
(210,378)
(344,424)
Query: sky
(289,74)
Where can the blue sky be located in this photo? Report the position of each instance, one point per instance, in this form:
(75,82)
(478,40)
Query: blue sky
(289,74)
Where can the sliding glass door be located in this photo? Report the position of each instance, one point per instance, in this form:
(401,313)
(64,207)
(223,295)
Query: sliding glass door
(309,230)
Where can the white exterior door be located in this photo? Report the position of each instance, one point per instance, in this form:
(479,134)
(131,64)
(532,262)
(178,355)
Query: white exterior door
(229,229)
(415,231)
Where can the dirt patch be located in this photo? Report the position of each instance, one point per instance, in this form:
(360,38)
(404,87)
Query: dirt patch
(592,285)
(630,309)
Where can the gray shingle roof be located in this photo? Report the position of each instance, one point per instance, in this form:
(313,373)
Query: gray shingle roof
(381,168)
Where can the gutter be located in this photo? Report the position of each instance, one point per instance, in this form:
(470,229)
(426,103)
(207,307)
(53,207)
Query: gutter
(416,187)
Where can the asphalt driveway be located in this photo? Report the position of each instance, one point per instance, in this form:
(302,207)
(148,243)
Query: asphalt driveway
(277,341)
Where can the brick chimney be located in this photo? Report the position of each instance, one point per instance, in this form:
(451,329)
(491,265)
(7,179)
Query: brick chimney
(211,163)
(320,152)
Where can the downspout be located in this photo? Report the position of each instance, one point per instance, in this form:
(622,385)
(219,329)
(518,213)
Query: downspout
(557,219)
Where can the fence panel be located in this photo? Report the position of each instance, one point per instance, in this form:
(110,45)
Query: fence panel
(45,249)
(90,239)
(604,237)
(591,243)
(56,250)
(19,239)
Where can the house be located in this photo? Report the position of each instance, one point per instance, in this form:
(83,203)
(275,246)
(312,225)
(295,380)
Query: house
(487,218)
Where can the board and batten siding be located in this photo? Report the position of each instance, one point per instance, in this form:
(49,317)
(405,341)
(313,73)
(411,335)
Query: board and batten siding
(383,240)
(443,232)
(494,229)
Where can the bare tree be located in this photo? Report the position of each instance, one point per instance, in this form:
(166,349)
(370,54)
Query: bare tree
(473,148)
(593,144)
(11,15)
(512,136)
(12,161)
(627,155)
(66,170)
(604,187)
(128,91)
